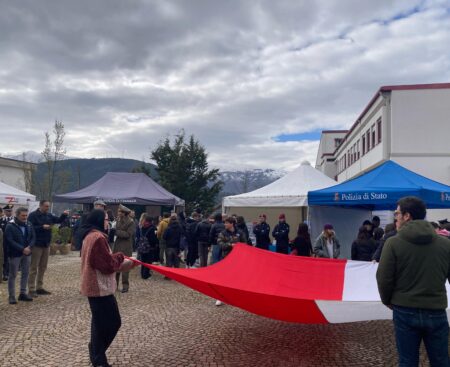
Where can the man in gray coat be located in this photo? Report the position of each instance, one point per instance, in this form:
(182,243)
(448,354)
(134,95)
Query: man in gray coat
(327,245)
(125,231)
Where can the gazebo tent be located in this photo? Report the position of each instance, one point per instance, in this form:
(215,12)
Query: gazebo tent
(11,195)
(126,188)
(346,205)
(287,195)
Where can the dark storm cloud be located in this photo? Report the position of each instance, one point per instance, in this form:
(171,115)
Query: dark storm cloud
(121,75)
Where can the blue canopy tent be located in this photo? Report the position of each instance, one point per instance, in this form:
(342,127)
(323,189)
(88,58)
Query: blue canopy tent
(347,204)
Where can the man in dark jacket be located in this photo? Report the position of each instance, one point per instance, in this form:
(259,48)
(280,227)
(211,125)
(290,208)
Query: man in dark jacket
(42,221)
(411,276)
(20,239)
(262,232)
(172,237)
(281,235)
(6,216)
(216,228)
(191,239)
(202,234)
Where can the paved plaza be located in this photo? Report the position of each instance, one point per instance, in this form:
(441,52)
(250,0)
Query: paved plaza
(167,324)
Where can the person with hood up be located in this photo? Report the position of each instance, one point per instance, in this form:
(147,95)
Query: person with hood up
(412,275)
(281,235)
(98,284)
(261,231)
(327,244)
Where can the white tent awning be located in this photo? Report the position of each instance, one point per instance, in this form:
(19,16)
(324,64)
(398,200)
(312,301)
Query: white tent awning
(11,195)
(289,191)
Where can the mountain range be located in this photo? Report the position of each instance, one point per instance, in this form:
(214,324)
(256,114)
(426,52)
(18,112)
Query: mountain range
(76,173)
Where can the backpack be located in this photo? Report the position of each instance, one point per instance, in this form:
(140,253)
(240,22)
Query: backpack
(144,246)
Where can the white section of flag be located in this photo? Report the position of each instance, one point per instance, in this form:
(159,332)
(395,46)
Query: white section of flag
(360,283)
(339,312)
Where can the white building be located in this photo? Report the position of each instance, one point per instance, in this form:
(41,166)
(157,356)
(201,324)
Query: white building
(16,173)
(409,124)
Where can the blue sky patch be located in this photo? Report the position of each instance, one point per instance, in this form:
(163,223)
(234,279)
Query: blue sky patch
(310,135)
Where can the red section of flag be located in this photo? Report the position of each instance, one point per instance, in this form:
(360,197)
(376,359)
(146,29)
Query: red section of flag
(277,286)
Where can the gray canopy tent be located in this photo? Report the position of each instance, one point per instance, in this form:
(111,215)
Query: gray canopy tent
(126,188)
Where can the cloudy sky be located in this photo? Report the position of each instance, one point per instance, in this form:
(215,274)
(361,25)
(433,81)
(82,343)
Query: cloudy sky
(254,81)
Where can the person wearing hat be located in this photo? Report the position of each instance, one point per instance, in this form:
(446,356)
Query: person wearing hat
(42,221)
(281,235)
(125,231)
(99,204)
(6,217)
(327,245)
(262,232)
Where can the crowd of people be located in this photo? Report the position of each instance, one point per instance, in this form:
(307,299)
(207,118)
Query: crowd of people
(107,242)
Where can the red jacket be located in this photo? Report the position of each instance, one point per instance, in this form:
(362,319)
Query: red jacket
(98,266)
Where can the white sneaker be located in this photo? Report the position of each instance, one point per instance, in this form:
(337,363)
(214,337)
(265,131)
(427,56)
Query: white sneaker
(219,303)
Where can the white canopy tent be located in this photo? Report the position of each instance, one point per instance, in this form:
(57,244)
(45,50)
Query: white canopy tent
(288,195)
(11,195)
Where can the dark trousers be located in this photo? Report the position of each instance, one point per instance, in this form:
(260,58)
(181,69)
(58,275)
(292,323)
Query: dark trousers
(203,253)
(145,272)
(105,324)
(412,325)
(192,253)
(172,259)
(262,246)
(23,262)
(282,247)
(5,259)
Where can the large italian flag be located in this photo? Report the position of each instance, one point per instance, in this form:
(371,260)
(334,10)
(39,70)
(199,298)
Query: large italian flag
(289,288)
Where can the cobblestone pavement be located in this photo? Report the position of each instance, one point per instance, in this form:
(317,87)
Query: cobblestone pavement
(167,324)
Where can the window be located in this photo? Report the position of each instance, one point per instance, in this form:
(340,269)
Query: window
(364,144)
(337,142)
(357,150)
(379,130)
(368,140)
(373,136)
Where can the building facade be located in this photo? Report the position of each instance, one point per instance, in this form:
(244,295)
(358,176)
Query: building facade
(16,173)
(409,124)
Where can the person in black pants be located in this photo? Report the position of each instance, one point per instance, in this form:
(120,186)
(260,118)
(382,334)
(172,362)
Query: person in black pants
(105,324)
(147,245)
(281,235)
(262,232)
(98,275)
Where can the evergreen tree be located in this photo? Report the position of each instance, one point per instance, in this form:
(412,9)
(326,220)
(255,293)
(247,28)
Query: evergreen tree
(183,170)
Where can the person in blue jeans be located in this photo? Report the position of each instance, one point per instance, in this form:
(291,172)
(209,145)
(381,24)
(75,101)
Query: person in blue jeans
(413,270)
(216,229)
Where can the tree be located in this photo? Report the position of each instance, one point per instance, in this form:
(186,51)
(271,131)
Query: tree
(53,152)
(142,168)
(183,170)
